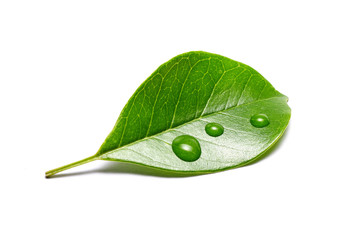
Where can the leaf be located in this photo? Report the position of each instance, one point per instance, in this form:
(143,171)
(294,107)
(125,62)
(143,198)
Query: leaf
(180,98)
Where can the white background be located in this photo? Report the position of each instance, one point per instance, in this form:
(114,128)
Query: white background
(68,67)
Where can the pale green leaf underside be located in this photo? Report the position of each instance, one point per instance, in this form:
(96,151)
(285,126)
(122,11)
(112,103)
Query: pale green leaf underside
(240,144)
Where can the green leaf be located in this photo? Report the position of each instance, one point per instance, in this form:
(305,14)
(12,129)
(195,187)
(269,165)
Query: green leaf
(180,98)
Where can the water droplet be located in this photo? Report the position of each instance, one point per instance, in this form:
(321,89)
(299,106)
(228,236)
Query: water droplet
(187,148)
(259,120)
(214,129)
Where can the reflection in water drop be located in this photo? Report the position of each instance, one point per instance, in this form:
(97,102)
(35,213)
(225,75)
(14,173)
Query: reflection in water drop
(187,148)
(259,120)
(214,129)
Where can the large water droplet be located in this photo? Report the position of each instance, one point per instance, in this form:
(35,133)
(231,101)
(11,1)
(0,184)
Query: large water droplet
(214,129)
(187,148)
(259,120)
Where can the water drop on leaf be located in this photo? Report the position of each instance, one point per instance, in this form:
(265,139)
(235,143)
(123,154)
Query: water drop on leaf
(187,148)
(259,120)
(214,129)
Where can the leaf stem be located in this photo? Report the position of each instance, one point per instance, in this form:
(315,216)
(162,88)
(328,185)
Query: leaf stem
(68,166)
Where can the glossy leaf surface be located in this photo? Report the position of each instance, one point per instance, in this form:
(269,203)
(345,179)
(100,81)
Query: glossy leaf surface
(180,98)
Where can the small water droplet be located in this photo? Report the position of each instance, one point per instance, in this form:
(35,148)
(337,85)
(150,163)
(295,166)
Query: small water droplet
(187,148)
(259,120)
(214,129)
